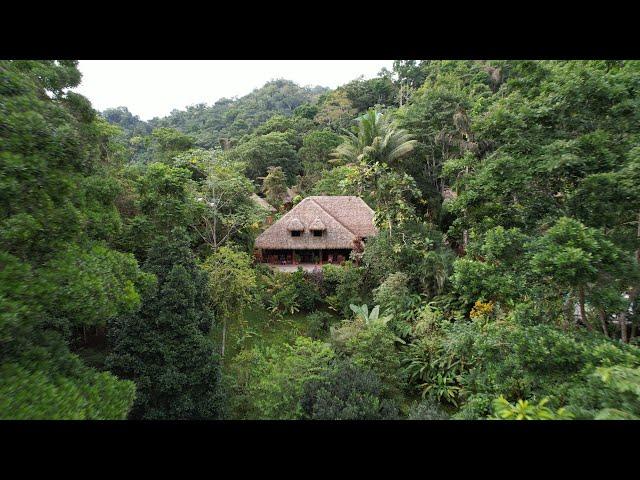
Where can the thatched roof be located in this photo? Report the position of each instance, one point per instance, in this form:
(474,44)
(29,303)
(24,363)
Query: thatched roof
(344,218)
(290,195)
(317,225)
(261,202)
(295,224)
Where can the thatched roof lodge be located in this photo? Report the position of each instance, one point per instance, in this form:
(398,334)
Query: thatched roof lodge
(319,229)
(261,202)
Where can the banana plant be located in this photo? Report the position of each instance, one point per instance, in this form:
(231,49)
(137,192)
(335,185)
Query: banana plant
(362,311)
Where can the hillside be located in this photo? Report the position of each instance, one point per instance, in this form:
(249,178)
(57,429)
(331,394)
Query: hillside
(227,118)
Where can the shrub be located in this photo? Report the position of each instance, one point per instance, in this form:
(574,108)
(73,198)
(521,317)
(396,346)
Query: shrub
(393,292)
(305,289)
(318,324)
(342,286)
(427,410)
(268,381)
(347,392)
(373,347)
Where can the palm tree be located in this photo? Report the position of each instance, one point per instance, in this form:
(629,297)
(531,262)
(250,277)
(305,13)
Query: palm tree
(378,140)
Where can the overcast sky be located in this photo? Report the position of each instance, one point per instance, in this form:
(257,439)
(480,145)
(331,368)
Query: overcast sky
(152,88)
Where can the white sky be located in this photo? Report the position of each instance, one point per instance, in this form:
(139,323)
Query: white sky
(152,88)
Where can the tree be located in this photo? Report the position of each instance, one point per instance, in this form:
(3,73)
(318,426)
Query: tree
(274,186)
(168,142)
(274,149)
(377,140)
(316,150)
(581,258)
(229,214)
(230,283)
(161,198)
(335,110)
(347,392)
(365,94)
(269,381)
(165,348)
(58,271)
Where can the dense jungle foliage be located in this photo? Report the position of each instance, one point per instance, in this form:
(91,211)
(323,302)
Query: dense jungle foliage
(503,283)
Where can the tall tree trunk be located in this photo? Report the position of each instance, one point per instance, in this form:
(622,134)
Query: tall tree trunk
(224,335)
(638,236)
(603,322)
(623,327)
(583,313)
(567,309)
(623,317)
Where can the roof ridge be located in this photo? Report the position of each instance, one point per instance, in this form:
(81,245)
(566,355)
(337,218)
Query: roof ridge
(332,216)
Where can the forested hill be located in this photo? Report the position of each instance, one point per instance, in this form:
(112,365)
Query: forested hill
(227,119)
(503,281)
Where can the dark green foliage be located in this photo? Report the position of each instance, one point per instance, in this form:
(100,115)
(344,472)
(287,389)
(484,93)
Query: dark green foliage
(372,347)
(233,118)
(342,286)
(58,274)
(164,348)
(347,392)
(274,149)
(130,124)
(306,289)
(319,324)
(365,94)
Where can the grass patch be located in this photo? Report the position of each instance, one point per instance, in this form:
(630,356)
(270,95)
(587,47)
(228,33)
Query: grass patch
(261,327)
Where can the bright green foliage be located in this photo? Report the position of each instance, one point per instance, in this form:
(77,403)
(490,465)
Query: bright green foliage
(161,197)
(229,214)
(93,287)
(167,143)
(433,371)
(621,393)
(488,271)
(523,410)
(336,181)
(73,392)
(165,348)
(362,312)
(377,140)
(269,383)
(230,282)
(373,347)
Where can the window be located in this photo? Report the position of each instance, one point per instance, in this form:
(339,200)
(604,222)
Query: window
(295,233)
(317,233)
